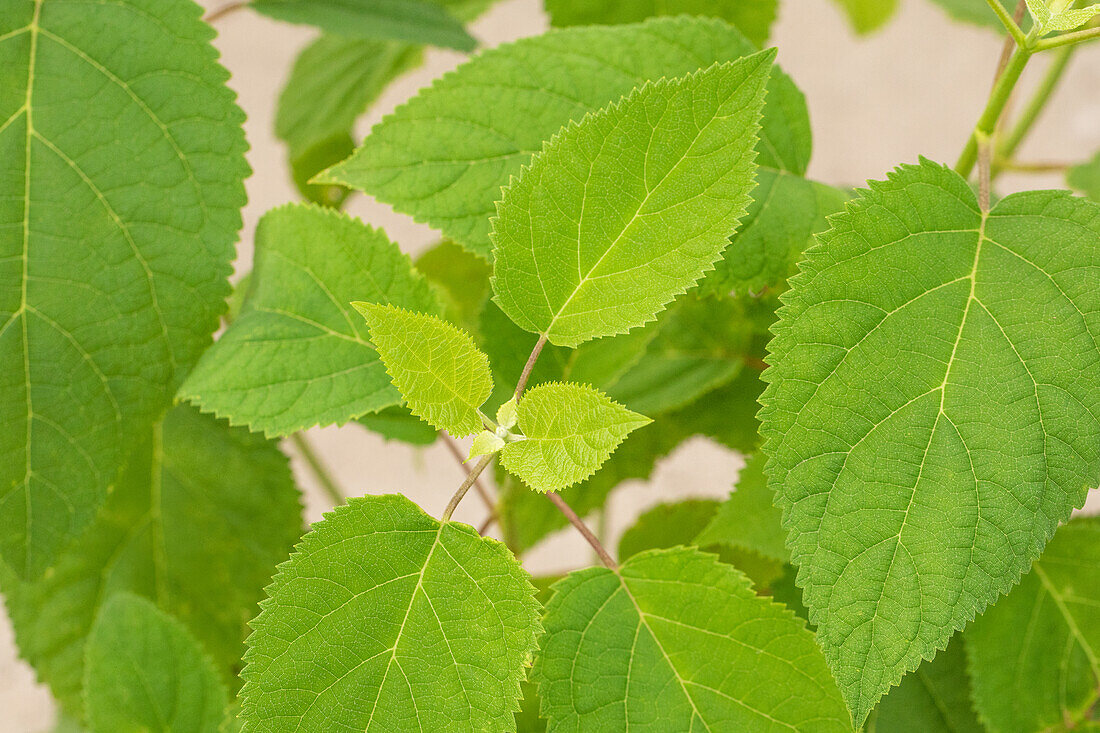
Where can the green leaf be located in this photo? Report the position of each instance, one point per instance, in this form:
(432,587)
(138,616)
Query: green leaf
(754,18)
(121,162)
(485,443)
(197,522)
(444,156)
(386,616)
(867,16)
(569,431)
(933,411)
(1063,19)
(1035,656)
(299,355)
(933,699)
(597,265)
(1086,178)
(667,525)
(416,21)
(461,280)
(397,423)
(437,368)
(727,415)
(977,12)
(145,672)
(651,648)
(748,519)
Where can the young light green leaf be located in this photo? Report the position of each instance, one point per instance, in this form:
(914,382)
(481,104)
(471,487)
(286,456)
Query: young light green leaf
(444,156)
(416,21)
(1058,15)
(485,443)
(573,264)
(197,522)
(1086,178)
(754,18)
(651,648)
(397,423)
(421,623)
(569,431)
(726,415)
(299,355)
(933,411)
(145,672)
(867,16)
(748,519)
(508,414)
(1035,656)
(119,232)
(933,699)
(439,371)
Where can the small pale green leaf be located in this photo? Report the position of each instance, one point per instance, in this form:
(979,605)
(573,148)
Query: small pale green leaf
(1086,178)
(677,641)
(197,522)
(508,414)
(570,430)
(748,519)
(444,156)
(935,698)
(485,443)
(754,18)
(1035,656)
(397,423)
(1057,15)
(867,16)
(145,672)
(439,371)
(121,169)
(299,354)
(386,618)
(933,411)
(575,264)
(416,21)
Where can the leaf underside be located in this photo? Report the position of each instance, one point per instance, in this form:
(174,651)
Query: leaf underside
(627,209)
(299,355)
(386,619)
(933,411)
(117,238)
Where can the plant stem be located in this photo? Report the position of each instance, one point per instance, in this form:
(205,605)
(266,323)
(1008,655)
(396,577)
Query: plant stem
(998,98)
(471,479)
(1011,41)
(530,365)
(1067,39)
(985,161)
(1040,166)
(478,486)
(320,472)
(215,15)
(1012,25)
(576,521)
(1036,105)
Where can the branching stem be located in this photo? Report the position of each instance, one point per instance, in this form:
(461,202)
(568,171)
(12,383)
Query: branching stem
(530,365)
(581,527)
(998,98)
(471,479)
(1068,39)
(1011,24)
(486,497)
(1035,106)
(318,468)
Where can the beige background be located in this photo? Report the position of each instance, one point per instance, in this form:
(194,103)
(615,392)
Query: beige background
(915,88)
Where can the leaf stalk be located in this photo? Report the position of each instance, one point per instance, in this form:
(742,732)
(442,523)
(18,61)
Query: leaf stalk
(581,527)
(471,479)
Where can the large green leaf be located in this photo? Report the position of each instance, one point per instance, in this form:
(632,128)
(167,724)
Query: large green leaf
(1086,178)
(933,699)
(145,672)
(868,15)
(675,640)
(444,156)
(442,375)
(569,431)
(461,280)
(933,412)
(574,263)
(197,522)
(121,161)
(299,354)
(417,21)
(1035,656)
(754,18)
(386,619)
(972,11)
(748,519)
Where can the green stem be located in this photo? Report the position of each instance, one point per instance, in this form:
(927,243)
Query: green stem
(320,472)
(1068,39)
(581,527)
(1009,22)
(471,479)
(1035,106)
(998,99)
